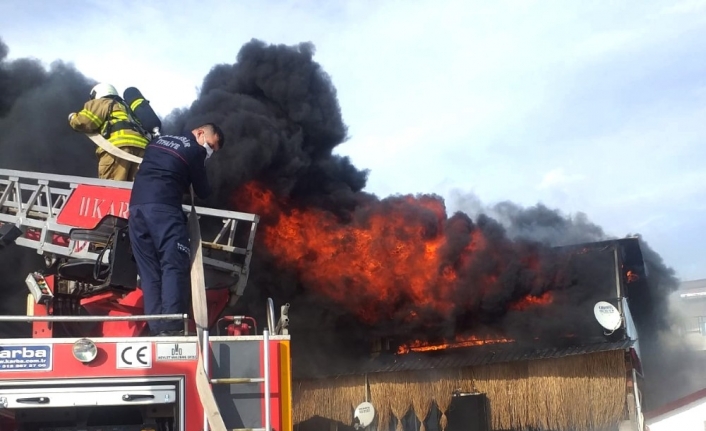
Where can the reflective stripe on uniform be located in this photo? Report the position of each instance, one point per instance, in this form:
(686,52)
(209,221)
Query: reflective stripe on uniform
(91,116)
(120,115)
(127,137)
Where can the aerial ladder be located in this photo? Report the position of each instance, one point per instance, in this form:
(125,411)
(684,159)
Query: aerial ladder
(89,363)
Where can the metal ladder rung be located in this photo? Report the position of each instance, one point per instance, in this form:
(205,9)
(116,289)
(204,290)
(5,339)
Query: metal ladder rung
(240,380)
(237,380)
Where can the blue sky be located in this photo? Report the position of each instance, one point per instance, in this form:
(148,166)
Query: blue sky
(597,108)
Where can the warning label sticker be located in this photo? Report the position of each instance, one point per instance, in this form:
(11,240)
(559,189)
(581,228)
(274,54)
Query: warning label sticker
(176,351)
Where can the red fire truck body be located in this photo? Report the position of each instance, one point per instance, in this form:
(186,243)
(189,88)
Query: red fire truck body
(88,365)
(42,380)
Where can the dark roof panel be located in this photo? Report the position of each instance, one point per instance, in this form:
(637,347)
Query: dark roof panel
(452,358)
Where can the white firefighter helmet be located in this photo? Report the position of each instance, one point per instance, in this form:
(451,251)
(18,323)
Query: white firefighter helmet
(103,90)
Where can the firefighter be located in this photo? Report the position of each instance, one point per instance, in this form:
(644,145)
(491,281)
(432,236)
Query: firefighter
(106,113)
(158,226)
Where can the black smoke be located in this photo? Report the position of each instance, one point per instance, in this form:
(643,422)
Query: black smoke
(34,106)
(280,113)
(35,102)
(670,368)
(282,121)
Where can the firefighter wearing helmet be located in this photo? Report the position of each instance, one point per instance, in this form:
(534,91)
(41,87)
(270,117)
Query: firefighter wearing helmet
(106,113)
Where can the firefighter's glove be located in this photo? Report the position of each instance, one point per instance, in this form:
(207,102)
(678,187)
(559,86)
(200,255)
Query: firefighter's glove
(71,115)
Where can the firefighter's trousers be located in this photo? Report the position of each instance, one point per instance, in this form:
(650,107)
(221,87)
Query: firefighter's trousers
(112,168)
(160,242)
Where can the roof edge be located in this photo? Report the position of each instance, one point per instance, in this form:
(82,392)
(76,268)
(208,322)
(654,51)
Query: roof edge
(676,404)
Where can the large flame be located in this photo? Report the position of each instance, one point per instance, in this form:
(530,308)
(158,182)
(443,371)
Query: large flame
(393,254)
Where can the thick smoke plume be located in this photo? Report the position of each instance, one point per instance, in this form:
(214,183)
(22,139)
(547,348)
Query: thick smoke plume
(34,106)
(35,136)
(282,119)
(672,369)
(352,265)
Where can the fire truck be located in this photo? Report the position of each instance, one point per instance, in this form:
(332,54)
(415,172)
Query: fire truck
(89,364)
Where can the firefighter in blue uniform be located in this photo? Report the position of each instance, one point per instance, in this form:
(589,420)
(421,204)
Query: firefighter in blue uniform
(158,225)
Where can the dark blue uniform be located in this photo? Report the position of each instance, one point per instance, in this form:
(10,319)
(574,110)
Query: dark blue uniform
(158,226)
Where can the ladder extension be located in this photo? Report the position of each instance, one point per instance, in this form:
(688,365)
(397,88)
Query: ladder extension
(35,202)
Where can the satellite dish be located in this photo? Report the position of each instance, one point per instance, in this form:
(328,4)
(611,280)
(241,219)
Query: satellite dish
(607,315)
(364,415)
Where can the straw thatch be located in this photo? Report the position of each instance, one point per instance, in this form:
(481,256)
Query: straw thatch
(579,392)
(331,398)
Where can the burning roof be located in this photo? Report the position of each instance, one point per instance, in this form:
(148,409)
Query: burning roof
(456,358)
(564,325)
(356,268)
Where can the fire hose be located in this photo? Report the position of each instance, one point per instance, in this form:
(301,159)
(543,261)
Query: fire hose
(198,295)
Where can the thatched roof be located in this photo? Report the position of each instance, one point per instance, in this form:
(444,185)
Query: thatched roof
(576,392)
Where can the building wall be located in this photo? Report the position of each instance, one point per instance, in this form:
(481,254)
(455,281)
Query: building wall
(689,302)
(688,418)
(679,368)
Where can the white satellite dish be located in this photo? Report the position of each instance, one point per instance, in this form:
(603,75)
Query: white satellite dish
(364,415)
(607,315)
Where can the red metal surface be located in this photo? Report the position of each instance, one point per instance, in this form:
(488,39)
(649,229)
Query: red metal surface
(43,329)
(104,366)
(115,305)
(57,239)
(65,366)
(275,394)
(238,329)
(88,204)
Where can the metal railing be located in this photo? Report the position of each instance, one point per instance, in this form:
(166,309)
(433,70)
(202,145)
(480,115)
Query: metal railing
(265,379)
(33,201)
(130,318)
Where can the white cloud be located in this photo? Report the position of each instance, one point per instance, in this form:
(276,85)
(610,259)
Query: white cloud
(685,7)
(558,178)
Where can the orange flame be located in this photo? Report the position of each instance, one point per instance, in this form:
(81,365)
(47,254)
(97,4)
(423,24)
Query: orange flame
(391,254)
(632,277)
(459,342)
(529,300)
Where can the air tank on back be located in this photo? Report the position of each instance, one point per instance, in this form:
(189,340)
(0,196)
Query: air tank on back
(142,110)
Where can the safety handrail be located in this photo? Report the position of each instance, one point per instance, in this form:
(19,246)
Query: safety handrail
(271,315)
(265,379)
(266,353)
(34,201)
(130,318)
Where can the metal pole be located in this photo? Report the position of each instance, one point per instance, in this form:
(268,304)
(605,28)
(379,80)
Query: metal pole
(270,315)
(237,380)
(92,318)
(206,360)
(266,348)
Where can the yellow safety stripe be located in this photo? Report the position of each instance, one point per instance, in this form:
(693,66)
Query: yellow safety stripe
(122,137)
(91,116)
(120,115)
(136,103)
(285,389)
